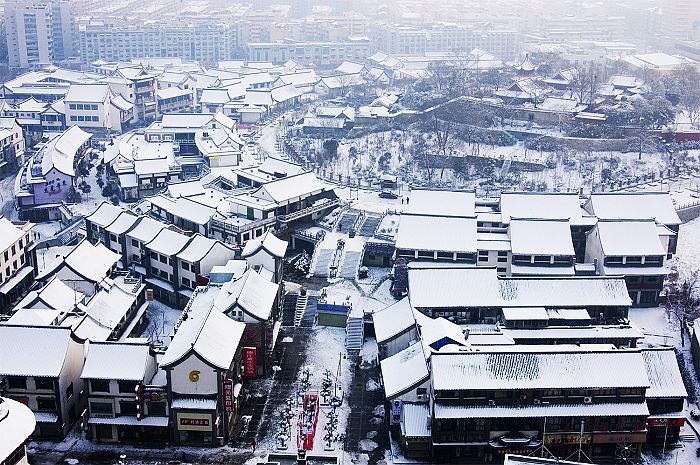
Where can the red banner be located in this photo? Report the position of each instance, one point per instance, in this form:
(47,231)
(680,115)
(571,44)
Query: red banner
(250,361)
(677,422)
(228,395)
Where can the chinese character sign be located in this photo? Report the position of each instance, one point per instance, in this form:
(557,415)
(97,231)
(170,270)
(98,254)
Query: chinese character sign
(250,355)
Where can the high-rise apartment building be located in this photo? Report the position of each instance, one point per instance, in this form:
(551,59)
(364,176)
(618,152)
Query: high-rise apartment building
(681,19)
(39,32)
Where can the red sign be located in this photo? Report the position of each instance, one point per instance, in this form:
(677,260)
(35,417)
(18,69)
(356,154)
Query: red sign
(194,421)
(228,395)
(673,422)
(250,361)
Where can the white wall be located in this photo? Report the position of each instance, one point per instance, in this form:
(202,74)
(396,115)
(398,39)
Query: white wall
(180,377)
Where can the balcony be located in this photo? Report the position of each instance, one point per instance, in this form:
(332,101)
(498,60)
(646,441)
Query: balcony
(242,227)
(316,207)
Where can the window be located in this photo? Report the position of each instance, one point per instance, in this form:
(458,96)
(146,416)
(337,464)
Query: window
(483,253)
(46,405)
(43,383)
(484,259)
(185,266)
(163,275)
(154,271)
(134,243)
(163,259)
(99,386)
(186,282)
(69,391)
(503,254)
(127,408)
(156,409)
(73,118)
(16,382)
(101,408)
(127,387)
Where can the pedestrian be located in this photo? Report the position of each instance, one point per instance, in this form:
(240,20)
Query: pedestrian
(401,200)
(253,444)
(407,199)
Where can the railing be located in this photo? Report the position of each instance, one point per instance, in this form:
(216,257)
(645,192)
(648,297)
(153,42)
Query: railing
(318,206)
(224,226)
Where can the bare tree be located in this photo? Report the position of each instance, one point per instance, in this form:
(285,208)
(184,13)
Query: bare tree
(156,323)
(584,84)
(683,299)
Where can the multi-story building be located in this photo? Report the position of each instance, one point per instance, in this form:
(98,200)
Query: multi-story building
(202,43)
(126,400)
(11,145)
(40,368)
(39,32)
(307,53)
(94,107)
(17,261)
(679,19)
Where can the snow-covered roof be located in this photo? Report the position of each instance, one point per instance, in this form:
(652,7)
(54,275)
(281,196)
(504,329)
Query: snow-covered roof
(629,237)
(109,307)
(540,205)
(268,242)
(104,214)
(438,330)
(663,373)
(404,370)
(146,229)
(185,208)
(60,151)
(441,203)
(35,317)
(168,242)
(92,262)
(525,313)
(211,335)
(623,409)
(258,97)
(544,370)
(254,294)
(393,320)
(469,287)
(437,233)
(185,120)
(17,423)
(540,237)
(292,187)
(9,234)
(634,206)
(121,103)
(285,93)
(194,403)
(172,92)
(573,334)
(91,93)
(415,420)
(55,295)
(349,67)
(116,360)
(197,249)
(122,224)
(33,351)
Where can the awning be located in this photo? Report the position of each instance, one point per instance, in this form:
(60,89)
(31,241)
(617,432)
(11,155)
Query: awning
(130,421)
(45,417)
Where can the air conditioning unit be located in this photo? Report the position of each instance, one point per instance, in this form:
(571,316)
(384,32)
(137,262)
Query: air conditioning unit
(588,400)
(492,403)
(422,397)
(536,401)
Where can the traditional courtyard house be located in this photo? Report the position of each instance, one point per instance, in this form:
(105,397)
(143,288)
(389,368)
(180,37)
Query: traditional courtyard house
(112,312)
(639,205)
(550,206)
(269,170)
(196,261)
(96,222)
(48,178)
(474,294)
(17,261)
(173,100)
(437,238)
(82,268)
(40,367)
(143,232)
(118,376)
(28,115)
(481,410)
(665,397)
(203,367)
(11,145)
(640,261)
(17,424)
(253,299)
(395,328)
(266,251)
(541,247)
(47,306)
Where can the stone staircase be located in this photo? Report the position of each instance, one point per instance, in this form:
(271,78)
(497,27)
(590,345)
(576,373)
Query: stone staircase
(369,225)
(354,333)
(321,262)
(351,262)
(300,308)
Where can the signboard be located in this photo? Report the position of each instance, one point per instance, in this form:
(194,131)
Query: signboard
(396,412)
(228,395)
(567,438)
(194,422)
(149,295)
(250,361)
(673,422)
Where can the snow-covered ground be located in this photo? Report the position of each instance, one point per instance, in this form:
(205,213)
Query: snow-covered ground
(161,320)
